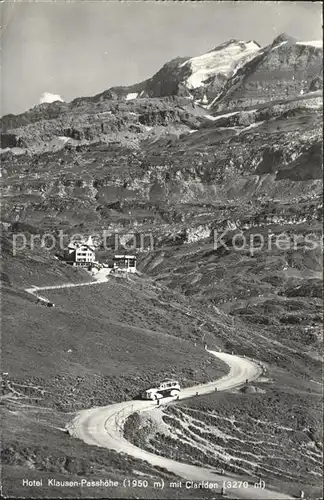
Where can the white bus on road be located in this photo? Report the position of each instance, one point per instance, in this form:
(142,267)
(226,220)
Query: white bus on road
(166,388)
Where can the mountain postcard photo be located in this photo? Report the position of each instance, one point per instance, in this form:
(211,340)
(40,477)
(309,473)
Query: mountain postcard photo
(161,249)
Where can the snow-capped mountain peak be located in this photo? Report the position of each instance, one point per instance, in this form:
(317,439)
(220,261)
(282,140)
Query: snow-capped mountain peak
(222,60)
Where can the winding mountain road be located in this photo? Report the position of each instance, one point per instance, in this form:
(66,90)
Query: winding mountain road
(103,426)
(100,277)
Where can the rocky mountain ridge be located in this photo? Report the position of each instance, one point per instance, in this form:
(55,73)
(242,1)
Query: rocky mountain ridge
(235,69)
(284,68)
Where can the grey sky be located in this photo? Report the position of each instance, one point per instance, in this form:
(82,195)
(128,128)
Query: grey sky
(81,48)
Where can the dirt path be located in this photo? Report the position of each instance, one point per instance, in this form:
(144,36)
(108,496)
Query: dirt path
(103,426)
(100,277)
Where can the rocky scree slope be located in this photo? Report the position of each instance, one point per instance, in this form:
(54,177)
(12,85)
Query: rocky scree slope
(172,184)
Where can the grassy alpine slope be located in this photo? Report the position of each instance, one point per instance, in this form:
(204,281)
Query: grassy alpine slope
(97,346)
